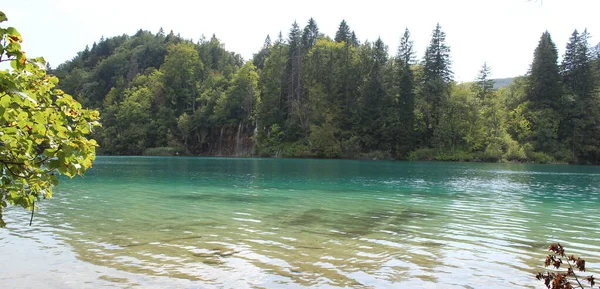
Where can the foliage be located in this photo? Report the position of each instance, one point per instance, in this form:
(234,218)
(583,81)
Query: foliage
(309,95)
(423,154)
(166,151)
(323,142)
(563,279)
(43,131)
(296,150)
(376,155)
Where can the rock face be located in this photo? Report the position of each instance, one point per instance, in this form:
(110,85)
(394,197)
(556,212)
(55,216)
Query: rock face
(233,140)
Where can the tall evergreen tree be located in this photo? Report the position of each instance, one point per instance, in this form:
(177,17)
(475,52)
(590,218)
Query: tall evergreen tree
(437,57)
(576,66)
(543,93)
(488,112)
(259,58)
(544,78)
(405,139)
(483,85)
(437,76)
(343,33)
(374,99)
(310,35)
(406,53)
(271,108)
(297,120)
(579,110)
(354,40)
(294,62)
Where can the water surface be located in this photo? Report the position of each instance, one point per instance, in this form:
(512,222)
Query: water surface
(136,222)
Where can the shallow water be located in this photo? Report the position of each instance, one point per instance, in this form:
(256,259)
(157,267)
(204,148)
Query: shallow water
(137,222)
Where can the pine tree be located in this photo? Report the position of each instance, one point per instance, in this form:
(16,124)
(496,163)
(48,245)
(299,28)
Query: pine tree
(578,110)
(271,107)
(487,111)
(544,80)
(374,100)
(543,93)
(295,62)
(354,40)
(343,33)
(406,53)
(437,57)
(310,35)
(405,58)
(576,67)
(297,119)
(567,66)
(437,76)
(259,58)
(483,85)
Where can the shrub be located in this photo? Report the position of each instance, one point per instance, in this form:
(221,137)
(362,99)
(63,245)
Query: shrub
(351,147)
(493,153)
(296,150)
(166,151)
(423,154)
(542,158)
(323,142)
(376,155)
(565,156)
(514,152)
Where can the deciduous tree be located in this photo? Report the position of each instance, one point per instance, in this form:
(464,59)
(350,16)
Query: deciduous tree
(43,131)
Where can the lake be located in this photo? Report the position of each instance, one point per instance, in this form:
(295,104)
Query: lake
(154,222)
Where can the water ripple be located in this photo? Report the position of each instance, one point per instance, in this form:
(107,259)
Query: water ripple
(244,223)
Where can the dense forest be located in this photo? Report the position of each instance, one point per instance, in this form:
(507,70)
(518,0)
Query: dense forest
(309,95)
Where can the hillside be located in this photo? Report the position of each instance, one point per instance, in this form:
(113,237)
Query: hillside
(502,82)
(310,95)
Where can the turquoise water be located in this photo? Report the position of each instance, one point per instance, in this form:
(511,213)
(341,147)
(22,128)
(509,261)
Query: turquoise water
(136,222)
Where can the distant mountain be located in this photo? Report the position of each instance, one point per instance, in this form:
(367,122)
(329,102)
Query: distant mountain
(502,82)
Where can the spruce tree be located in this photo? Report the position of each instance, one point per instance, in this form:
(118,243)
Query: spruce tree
(354,40)
(259,58)
(296,118)
(406,53)
(374,99)
(543,94)
(310,35)
(294,62)
(437,76)
(437,57)
(579,109)
(483,85)
(544,79)
(405,58)
(343,33)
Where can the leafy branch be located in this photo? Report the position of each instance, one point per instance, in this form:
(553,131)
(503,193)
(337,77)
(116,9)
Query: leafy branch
(561,279)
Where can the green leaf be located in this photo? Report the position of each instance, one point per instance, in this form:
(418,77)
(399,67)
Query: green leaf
(2,17)
(40,60)
(30,123)
(13,34)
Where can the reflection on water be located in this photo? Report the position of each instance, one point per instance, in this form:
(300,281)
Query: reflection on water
(259,223)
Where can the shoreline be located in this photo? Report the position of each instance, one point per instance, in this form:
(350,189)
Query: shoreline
(351,159)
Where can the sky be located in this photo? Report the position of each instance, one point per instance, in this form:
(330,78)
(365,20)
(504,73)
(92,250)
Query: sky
(503,33)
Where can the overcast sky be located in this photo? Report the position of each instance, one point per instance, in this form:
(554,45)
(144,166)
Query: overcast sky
(502,33)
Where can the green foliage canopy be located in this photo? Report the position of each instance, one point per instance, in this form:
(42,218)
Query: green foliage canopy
(43,131)
(310,95)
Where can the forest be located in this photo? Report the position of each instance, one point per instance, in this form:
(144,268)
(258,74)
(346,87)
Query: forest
(309,95)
